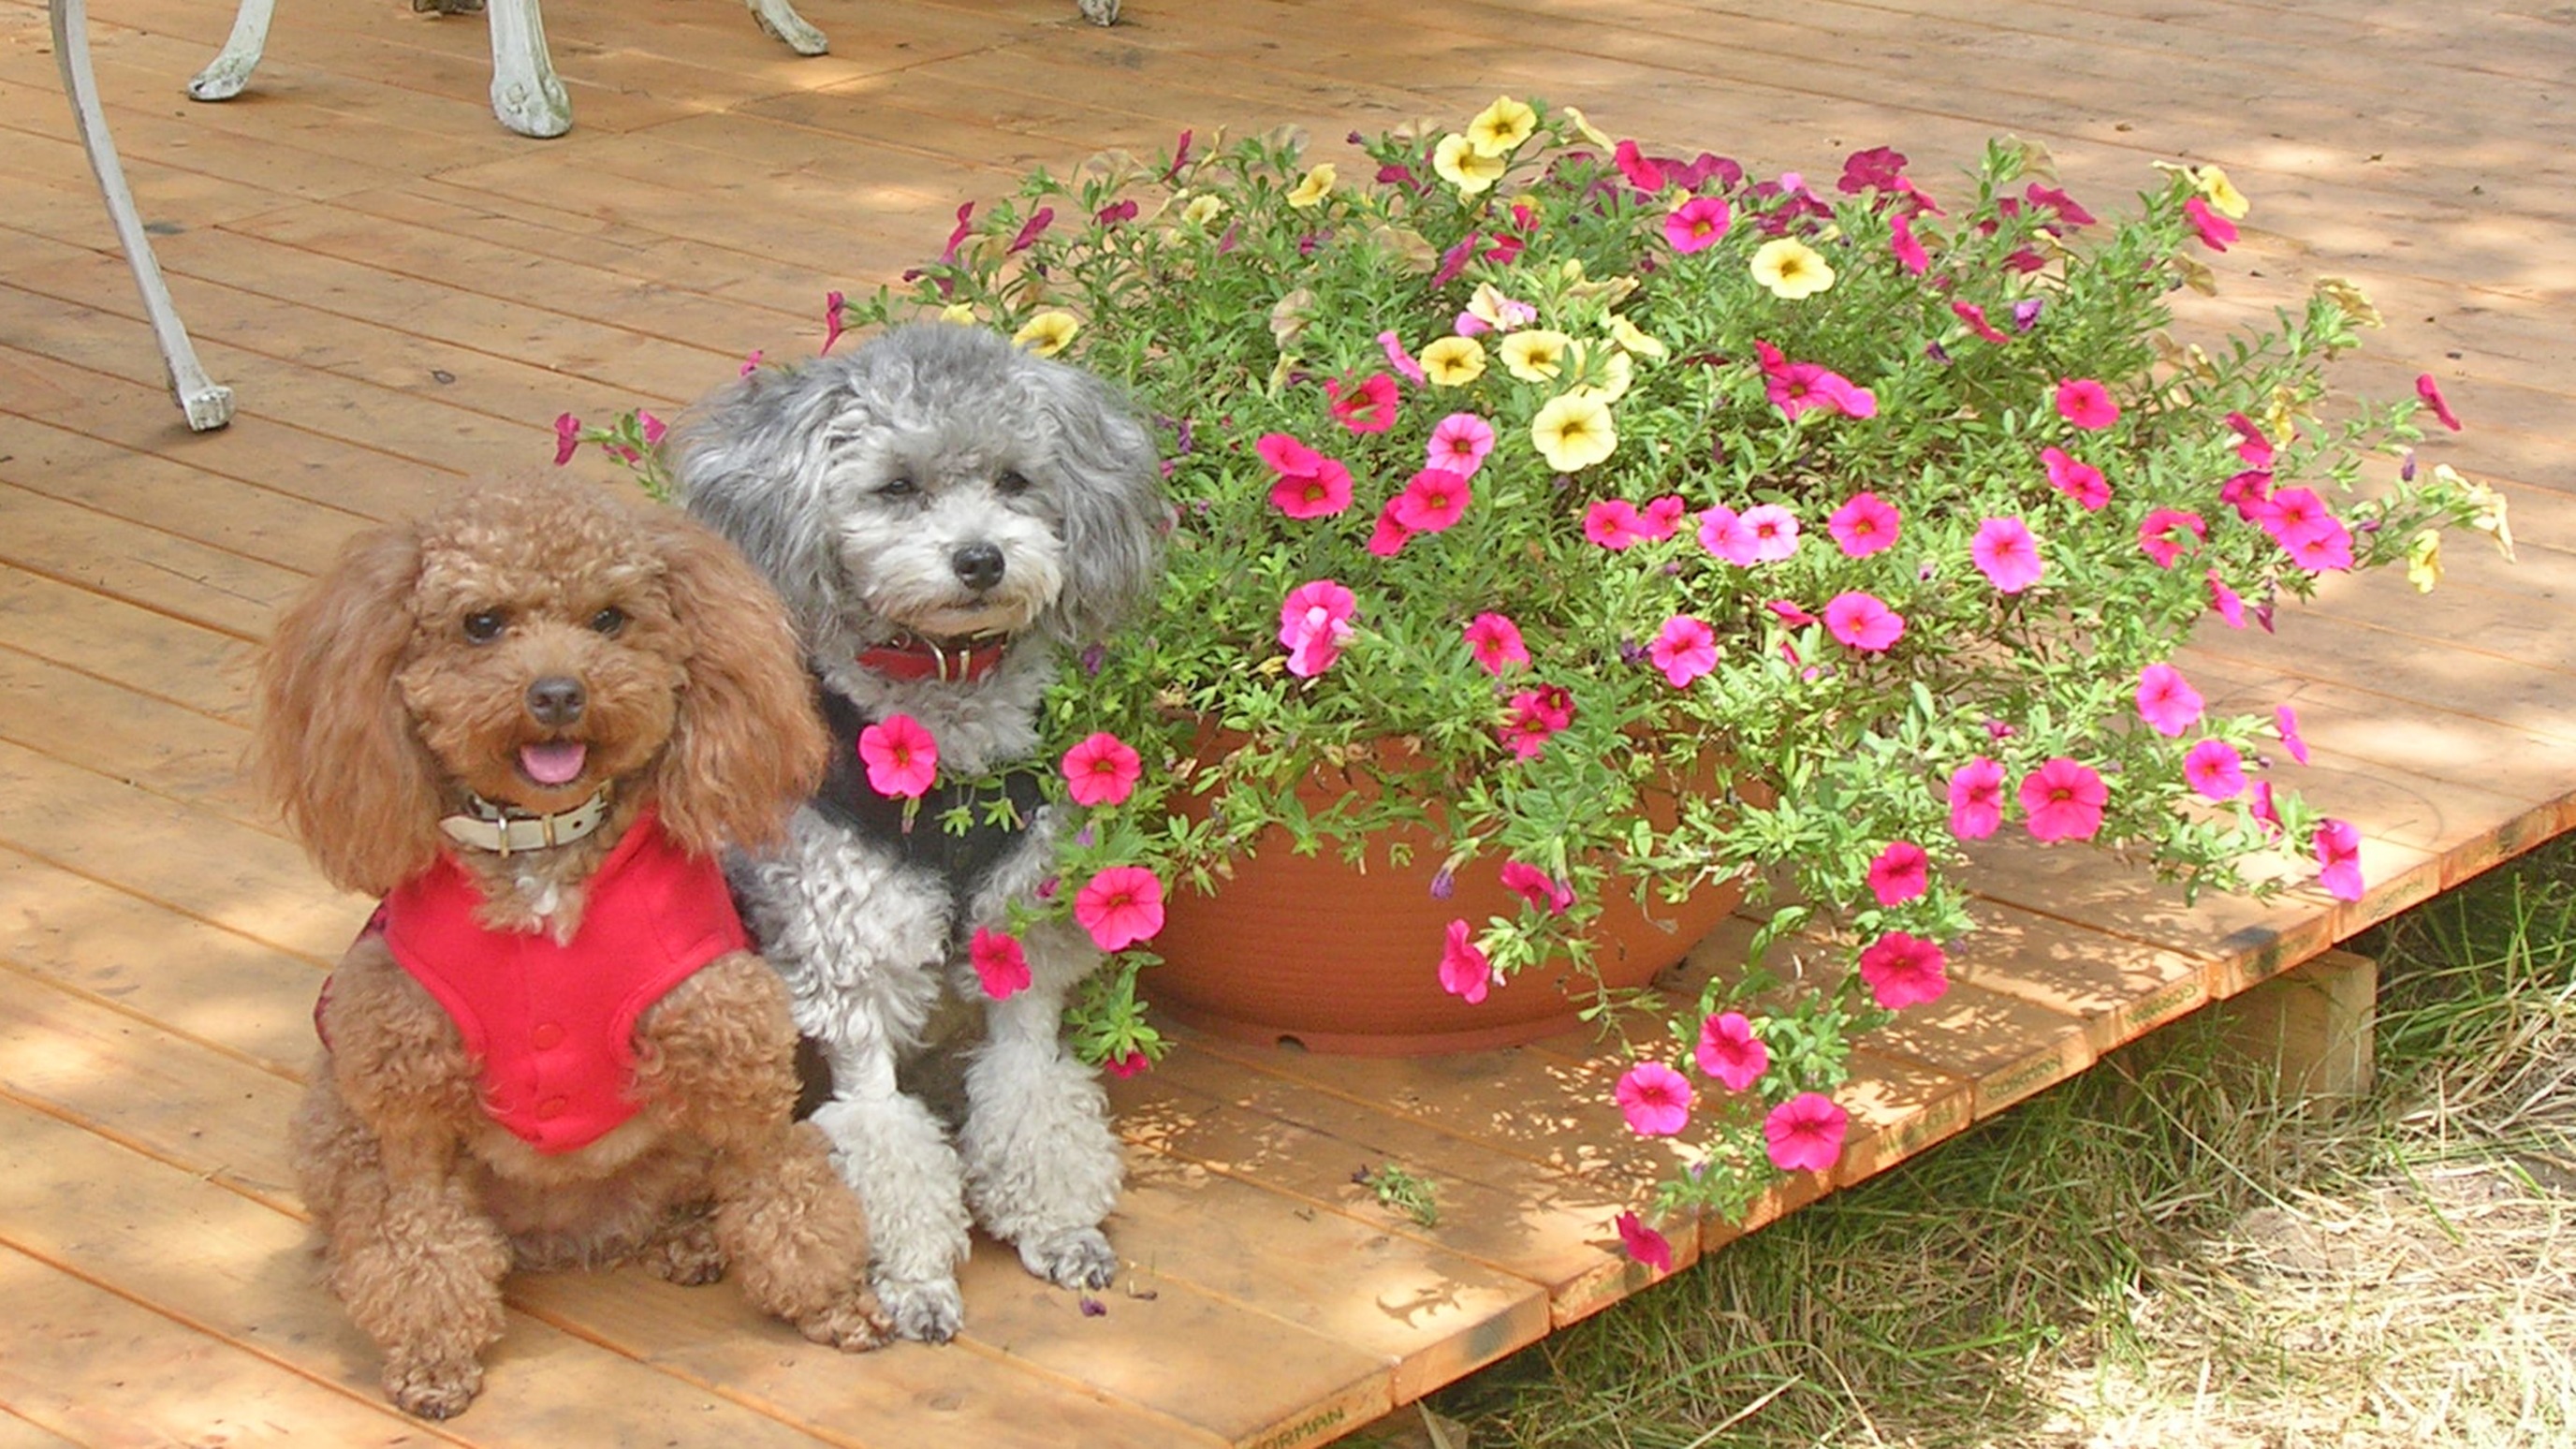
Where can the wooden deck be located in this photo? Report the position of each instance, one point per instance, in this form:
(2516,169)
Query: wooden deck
(400,293)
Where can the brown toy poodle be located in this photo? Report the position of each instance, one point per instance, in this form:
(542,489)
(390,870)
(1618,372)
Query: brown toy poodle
(528,722)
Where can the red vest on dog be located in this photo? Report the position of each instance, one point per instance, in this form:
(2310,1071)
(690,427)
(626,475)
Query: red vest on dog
(553,1026)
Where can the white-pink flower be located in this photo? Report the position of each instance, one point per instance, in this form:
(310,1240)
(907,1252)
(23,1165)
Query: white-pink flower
(1313,623)
(1685,649)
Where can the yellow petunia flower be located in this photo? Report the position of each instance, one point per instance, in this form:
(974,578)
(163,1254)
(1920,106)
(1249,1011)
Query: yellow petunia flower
(2424,560)
(1791,269)
(1500,127)
(2222,195)
(2350,300)
(1589,131)
(1634,339)
(1463,166)
(1605,372)
(1573,432)
(1488,305)
(1316,185)
(1203,209)
(1047,333)
(963,312)
(1453,361)
(1536,355)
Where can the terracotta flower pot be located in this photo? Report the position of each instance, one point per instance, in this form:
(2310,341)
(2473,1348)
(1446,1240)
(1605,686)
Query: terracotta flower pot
(1308,950)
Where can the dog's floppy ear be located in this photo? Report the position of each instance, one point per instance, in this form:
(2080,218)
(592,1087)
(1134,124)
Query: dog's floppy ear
(333,748)
(1111,493)
(749,461)
(748,744)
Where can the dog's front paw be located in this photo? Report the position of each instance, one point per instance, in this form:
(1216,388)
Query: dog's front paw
(1071,1258)
(432,1388)
(689,1257)
(853,1323)
(923,1310)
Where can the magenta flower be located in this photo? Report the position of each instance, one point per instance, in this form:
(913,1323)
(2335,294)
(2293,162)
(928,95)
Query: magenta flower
(1116,213)
(1775,532)
(2286,720)
(833,302)
(2258,803)
(1909,252)
(1433,500)
(1863,622)
(1534,716)
(1729,1051)
(1314,621)
(2006,554)
(1459,443)
(1902,971)
(2062,800)
(1399,359)
(2323,549)
(1722,531)
(1120,907)
(2229,604)
(1643,1244)
(2431,392)
(2166,701)
(2251,446)
(2156,534)
(2215,770)
(2215,231)
(1805,1133)
(1537,887)
(901,756)
(751,362)
(1496,642)
(2086,403)
(1696,224)
(957,235)
(1656,1099)
(1369,408)
(1975,317)
(2291,514)
(1035,227)
(1662,517)
(653,429)
(1864,525)
(2077,480)
(1685,649)
(1102,770)
(567,437)
(1788,612)
(1388,538)
(1900,873)
(1128,1064)
(1642,174)
(1615,524)
(999,962)
(1464,971)
(1310,485)
(1795,387)
(2339,859)
(1976,799)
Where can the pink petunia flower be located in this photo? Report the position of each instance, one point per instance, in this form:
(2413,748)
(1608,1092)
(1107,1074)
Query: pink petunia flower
(2166,701)
(1310,485)
(1805,1133)
(1399,359)
(1862,622)
(750,362)
(1655,1098)
(1643,1244)
(2431,392)
(1723,532)
(1909,251)
(1903,971)
(1975,317)
(2156,534)
(1433,500)
(1120,906)
(1976,799)
(1684,649)
(1314,621)
(2229,604)
(1537,887)
(1615,524)
(1129,1064)
(957,235)
(1864,525)
(1729,1051)
(1662,517)
(653,429)
(1900,873)
(1534,716)
(1788,612)
(567,437)
(1460,443)
(1388,537)
(901,756)
(1102,770)
(833,302)
(1696,224)
(2215,231)
(2215,770)
(1464,971)
(1795,387)
(2258,803)
(1642,173)
(2062,800)
(999,962)
(2291,514)
(1496,642)
(2326,548)
(2286,720)
(2338,847)
(1775,532)
(2006,554)
(2086,403)
(1035,227)
(1368,408)
(2078,480)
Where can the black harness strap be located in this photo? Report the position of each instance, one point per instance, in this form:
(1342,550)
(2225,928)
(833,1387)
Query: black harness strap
(962,861)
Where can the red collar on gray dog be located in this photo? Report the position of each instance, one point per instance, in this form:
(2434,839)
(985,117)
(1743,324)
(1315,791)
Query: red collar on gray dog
(913,657)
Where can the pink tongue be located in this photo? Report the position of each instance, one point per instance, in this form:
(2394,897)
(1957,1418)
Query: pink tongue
(556,762)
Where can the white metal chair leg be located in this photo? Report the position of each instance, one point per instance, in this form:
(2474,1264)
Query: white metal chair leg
(526,94)
(780,19)
(207,403)
(228,74)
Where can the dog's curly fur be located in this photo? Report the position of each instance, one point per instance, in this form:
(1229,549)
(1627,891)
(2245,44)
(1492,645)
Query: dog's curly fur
(377,712)
(941,484)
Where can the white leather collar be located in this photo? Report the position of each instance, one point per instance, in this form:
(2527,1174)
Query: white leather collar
(505,831)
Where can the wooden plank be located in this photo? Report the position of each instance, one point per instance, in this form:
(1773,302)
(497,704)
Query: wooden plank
(254,522)
(138,649)
(142,566)
(2119,990)
(18,1433)
(153,744)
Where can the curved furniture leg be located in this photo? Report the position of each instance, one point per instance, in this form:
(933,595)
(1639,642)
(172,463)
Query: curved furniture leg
(526,94)
(228,74)
(207,403)
(780,19)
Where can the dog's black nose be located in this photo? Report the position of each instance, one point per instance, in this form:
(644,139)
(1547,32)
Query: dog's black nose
(556,700)
(978,566)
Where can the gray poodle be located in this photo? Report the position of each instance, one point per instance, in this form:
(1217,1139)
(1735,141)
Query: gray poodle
(944,514)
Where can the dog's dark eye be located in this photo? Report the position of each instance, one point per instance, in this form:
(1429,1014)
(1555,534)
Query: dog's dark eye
(1010,485)
(898,488)
(608,621)
(485,625)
